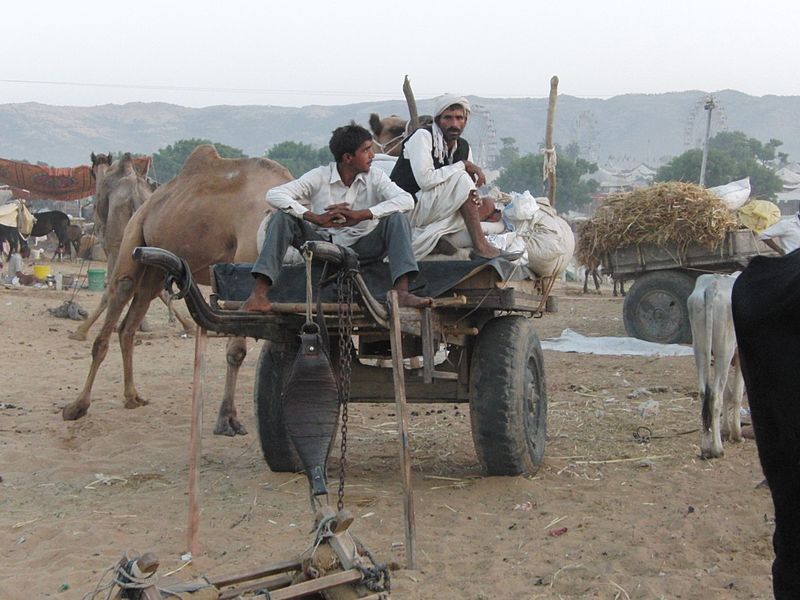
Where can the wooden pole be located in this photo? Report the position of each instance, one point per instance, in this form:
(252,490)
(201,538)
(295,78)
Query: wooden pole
(198,390)
(549,148)
(395,335)
(413,116)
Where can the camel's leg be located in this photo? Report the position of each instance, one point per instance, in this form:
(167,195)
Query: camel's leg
(145,292)
(118,297)
(228,421)
(187,324)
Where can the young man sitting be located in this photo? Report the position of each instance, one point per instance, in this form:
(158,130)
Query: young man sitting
(351,205)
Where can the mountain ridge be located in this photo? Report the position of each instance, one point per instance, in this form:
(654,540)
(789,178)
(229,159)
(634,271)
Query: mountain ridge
(628,128)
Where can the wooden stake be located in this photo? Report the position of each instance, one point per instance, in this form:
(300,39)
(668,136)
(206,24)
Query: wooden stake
(395,335)
(413,117)
(548,139)
(198,390)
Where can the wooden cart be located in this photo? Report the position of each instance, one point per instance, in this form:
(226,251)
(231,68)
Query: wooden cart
(655,305)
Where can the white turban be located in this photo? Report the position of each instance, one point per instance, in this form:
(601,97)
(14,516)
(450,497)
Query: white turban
(446,101)
(442,104)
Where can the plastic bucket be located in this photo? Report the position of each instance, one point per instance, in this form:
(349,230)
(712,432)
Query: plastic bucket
(41,271)
(97,279)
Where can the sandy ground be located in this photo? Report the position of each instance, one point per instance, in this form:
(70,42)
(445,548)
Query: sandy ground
(636,520)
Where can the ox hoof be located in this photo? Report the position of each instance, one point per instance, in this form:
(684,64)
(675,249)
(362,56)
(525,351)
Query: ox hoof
(229,426)
(81,337)
(709,454)
(73,412)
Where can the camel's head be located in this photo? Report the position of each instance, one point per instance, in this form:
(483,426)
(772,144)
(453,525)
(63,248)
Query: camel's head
(389,133)
(100,162)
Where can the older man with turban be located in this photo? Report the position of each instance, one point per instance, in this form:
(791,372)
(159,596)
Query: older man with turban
(436,168)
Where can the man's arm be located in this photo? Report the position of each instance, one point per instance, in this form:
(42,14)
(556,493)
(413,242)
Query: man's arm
(772,244)
(288,197)
(417,150)
(391,197)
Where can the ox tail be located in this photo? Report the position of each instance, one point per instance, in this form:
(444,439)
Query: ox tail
(708,305)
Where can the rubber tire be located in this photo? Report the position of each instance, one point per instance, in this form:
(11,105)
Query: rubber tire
(276,446)
(655,307)
(508,397)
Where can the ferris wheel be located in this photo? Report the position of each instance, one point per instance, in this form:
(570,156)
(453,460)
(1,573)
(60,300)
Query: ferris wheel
(484,147)
(697,122)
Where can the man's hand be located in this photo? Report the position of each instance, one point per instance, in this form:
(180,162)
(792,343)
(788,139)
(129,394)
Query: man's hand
(344,216)
(475,172)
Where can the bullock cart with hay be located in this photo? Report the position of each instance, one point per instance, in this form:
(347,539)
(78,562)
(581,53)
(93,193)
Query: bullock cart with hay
(664,237)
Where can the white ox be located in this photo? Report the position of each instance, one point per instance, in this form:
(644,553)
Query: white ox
(714,341)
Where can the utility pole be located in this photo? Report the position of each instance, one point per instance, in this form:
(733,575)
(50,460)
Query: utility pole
(710,105)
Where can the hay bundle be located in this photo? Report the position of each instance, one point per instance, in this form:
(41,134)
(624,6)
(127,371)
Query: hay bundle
(671,213)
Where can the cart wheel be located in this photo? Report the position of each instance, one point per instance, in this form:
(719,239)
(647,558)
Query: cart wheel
(276,445)
(655,307)
(508,397)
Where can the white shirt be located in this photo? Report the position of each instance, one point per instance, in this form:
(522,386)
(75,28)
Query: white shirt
(323,186)
(419,152)
(785,232)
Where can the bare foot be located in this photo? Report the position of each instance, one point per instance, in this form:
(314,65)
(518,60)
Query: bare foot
(256,304)
(408,299)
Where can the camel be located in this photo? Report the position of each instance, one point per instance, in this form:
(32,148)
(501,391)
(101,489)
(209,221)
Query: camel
(389,133)
(120,191)
(207,214)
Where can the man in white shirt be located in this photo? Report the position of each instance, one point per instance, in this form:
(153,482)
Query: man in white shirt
(351,205)
(783,236)
(436,167)
(16,266)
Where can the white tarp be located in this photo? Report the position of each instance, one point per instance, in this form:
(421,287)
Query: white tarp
(571,341)
(733,194)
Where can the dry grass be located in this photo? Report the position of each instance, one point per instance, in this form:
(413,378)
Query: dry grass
(672,213)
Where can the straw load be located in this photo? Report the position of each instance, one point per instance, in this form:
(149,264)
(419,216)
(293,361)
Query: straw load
(672,213)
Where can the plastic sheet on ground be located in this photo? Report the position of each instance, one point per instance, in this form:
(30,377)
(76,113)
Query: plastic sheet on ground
(570,341)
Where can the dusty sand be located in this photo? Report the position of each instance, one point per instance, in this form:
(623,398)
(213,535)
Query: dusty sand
(643,520)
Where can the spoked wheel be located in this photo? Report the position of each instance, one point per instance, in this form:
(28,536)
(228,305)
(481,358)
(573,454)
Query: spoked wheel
(508,397)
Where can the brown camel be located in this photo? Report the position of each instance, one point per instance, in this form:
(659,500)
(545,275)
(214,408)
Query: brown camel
(389,133)
(209,213)
(120,190)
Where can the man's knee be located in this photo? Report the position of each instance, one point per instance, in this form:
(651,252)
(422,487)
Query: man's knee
(398,221)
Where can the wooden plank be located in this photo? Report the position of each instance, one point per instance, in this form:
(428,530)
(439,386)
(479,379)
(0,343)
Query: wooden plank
(427,345)
(287,565)
(299,590)
(402,419)
(196,429)
(271,583)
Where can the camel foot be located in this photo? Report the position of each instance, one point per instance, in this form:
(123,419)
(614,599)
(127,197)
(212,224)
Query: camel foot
(74,411)
(136,402)
(77,335)
(230,426)
(408,299)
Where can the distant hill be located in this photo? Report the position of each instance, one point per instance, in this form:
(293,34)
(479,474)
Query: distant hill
(624,129)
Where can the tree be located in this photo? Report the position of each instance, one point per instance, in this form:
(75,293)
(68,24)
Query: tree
(731,156)
(508,153)
(168,161)
(299,157)
(525,173)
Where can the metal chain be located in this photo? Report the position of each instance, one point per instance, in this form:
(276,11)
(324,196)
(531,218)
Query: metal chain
(344,292)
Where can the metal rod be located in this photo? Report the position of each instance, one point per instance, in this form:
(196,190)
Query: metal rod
(395,335)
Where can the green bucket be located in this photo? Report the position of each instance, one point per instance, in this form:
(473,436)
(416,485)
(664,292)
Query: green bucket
(97,279)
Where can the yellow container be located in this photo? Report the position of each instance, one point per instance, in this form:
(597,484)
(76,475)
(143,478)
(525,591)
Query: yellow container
(41,271)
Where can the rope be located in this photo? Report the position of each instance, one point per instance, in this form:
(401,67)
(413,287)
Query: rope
(549,163)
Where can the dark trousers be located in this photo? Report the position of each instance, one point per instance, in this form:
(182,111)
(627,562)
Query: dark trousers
(392,238)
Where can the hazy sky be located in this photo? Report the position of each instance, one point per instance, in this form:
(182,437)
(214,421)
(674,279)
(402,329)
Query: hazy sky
(295,52)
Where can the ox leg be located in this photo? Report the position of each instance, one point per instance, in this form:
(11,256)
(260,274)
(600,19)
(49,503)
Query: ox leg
(596,279)
(732,424)
(121,293)
(148,289)
(228,420)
